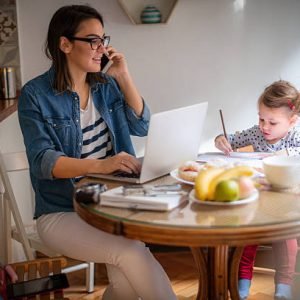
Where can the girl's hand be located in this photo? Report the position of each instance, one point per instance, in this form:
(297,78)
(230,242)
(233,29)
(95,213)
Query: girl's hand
(119,66)
(120,162)
(222,144)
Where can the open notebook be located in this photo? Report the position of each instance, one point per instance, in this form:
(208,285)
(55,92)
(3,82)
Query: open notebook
(174,137)
(252,159)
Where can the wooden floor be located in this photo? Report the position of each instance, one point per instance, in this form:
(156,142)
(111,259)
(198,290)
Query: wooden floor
(181,271)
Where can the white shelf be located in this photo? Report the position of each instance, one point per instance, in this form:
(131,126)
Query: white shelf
(133,9)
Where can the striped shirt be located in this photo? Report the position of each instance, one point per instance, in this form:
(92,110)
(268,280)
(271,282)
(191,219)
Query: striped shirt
(96,139)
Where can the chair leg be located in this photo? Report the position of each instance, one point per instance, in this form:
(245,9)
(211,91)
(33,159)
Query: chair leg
(90,271)
(7,232)
(3,241)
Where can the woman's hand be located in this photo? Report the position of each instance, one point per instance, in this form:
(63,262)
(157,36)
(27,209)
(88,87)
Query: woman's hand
(119,66)
(67,167)
(120,72)
(120,162)
(222,144)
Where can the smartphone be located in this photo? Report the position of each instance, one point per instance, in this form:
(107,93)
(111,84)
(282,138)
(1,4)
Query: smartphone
(105,63)
(36,286)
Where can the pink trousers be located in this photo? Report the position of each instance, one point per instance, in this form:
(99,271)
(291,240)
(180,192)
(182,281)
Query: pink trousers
(284,253)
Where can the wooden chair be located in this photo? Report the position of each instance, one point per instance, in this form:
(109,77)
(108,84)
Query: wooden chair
(41,268)
(26,234)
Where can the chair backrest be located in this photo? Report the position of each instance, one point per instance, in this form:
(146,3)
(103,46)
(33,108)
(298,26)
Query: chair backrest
(29,278)
(30,241)
(9,163)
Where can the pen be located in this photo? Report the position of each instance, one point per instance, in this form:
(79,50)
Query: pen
(223,125)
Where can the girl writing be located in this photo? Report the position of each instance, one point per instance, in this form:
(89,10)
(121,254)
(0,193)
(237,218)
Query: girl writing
(278,109)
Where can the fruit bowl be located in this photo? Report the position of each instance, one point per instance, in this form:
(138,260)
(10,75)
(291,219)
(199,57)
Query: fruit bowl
(221,184)
(253,197)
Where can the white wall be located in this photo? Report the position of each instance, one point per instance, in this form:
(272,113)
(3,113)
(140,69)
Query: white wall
(221,51)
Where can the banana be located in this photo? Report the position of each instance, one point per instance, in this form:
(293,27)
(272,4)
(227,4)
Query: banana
(231,173)
(203,180)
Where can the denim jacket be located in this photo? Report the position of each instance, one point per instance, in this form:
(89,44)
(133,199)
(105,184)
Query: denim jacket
(50,123)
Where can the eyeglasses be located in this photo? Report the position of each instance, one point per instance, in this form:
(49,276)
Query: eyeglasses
(95,43)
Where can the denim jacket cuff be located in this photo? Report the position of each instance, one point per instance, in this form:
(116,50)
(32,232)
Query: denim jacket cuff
(145,113)
(49,159)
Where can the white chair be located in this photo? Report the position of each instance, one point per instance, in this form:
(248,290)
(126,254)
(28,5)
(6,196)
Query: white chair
(26,234)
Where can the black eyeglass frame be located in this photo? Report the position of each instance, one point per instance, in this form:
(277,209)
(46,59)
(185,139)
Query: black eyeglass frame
(104,41)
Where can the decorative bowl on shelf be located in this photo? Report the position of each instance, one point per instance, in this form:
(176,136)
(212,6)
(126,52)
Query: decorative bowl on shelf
(150,15)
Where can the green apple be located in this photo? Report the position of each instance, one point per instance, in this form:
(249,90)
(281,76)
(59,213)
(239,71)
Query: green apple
(227,190)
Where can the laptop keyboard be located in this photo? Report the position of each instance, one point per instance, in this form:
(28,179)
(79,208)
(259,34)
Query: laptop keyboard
(127,175)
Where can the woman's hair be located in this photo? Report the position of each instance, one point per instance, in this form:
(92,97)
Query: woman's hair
(279,94)
(65,22)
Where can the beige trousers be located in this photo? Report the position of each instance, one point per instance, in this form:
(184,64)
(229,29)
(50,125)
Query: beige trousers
(132,270)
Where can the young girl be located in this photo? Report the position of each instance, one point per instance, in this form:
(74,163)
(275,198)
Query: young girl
(77,120)
(278,109)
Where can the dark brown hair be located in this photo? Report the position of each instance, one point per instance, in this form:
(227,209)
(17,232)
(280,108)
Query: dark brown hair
(65,22)
(279,94)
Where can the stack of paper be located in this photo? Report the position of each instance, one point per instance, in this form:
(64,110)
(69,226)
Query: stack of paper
(252,159)
(115,198)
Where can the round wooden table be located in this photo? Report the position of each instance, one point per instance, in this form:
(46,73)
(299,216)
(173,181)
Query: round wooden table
(215,234)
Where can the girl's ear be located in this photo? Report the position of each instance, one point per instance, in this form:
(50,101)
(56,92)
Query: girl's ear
(65,45)
(294,119)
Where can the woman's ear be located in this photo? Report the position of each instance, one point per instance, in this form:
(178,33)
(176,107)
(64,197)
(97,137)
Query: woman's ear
(65,45)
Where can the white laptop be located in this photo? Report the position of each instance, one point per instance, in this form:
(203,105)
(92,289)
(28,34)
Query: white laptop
(173,137)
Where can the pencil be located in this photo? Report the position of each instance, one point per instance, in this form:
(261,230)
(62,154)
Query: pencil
(223,125)
(287,152)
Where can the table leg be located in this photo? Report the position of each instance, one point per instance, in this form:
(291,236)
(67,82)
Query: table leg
(213,272)
(234,263)
(201,265)
(218,272)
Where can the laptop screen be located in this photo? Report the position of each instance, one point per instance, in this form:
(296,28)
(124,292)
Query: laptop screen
(173,137)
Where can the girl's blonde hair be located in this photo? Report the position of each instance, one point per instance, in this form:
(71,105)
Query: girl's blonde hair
(279,94)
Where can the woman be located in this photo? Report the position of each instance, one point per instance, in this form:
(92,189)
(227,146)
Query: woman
(76,120)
